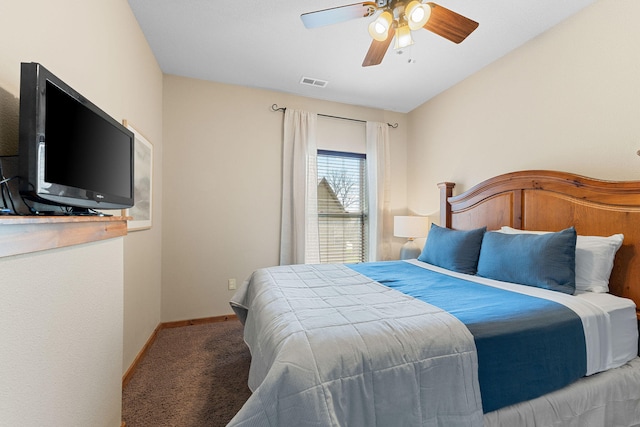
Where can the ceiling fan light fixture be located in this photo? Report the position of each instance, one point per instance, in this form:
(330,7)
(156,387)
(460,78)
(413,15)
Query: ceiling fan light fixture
(403,37)
(417,14)
(379,28)
(395,19)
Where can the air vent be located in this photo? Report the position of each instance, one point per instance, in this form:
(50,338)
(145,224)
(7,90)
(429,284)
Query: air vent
(313,82)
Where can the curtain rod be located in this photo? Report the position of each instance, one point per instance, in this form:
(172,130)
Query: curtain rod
(275,107)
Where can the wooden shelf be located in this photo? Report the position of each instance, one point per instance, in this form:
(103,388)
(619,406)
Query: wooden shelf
(25,234)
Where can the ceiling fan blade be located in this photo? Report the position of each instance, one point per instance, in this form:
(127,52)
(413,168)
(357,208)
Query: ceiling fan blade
(449,24)
(378,49)
(338,14)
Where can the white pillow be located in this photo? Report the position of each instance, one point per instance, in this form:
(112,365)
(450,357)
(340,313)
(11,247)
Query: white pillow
(594,259)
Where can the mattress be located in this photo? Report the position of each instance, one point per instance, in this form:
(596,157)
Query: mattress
(610,398)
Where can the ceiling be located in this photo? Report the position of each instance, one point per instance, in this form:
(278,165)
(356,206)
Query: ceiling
(263,44)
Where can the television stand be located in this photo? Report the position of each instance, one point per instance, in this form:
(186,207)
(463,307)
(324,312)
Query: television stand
(26,234)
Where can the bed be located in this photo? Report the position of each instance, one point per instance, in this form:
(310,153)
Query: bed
(380,344)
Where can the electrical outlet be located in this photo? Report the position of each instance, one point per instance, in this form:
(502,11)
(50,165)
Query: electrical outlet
(232,284)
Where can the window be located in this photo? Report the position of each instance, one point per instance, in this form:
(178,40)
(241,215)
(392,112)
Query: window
(342,207)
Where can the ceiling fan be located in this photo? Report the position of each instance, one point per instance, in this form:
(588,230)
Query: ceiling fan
(397,19)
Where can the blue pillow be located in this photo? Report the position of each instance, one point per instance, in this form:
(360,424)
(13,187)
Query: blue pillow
(542,260)
(456,250)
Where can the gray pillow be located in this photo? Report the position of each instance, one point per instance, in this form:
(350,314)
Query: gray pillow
(542,260)
(456,250)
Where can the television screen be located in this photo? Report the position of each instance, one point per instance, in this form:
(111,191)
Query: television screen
(83,150)
(71,152)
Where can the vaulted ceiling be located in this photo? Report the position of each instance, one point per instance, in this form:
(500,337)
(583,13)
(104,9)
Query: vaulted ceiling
(264,44)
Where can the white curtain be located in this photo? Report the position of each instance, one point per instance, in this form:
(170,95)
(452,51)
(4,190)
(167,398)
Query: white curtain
(299,226)
(378,179)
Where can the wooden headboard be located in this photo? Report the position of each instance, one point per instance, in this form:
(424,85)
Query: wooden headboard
(552,201)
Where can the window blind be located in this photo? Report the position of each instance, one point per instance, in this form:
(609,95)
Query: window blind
(342,207)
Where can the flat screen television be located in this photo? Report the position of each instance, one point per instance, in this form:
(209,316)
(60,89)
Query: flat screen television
(71,153)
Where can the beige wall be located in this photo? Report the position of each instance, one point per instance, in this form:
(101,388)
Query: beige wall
(67,305)
(568,100)
(61,337)
(222,185)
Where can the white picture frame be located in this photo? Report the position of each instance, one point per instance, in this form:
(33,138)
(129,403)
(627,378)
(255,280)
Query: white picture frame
(142,211)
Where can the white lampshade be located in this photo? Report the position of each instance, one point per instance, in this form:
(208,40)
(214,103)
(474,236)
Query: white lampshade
(379,28)
(403,37)
(417,14)
(410,227)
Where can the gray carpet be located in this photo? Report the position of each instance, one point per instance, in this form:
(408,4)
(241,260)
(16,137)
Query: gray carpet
(192,376)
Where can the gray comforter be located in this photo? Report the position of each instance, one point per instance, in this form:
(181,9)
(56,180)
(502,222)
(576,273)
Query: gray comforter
(356,354)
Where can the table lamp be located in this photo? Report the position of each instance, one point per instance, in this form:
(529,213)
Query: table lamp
(411,227)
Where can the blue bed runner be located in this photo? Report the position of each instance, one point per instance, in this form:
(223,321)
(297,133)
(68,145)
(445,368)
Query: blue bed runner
(527,346)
